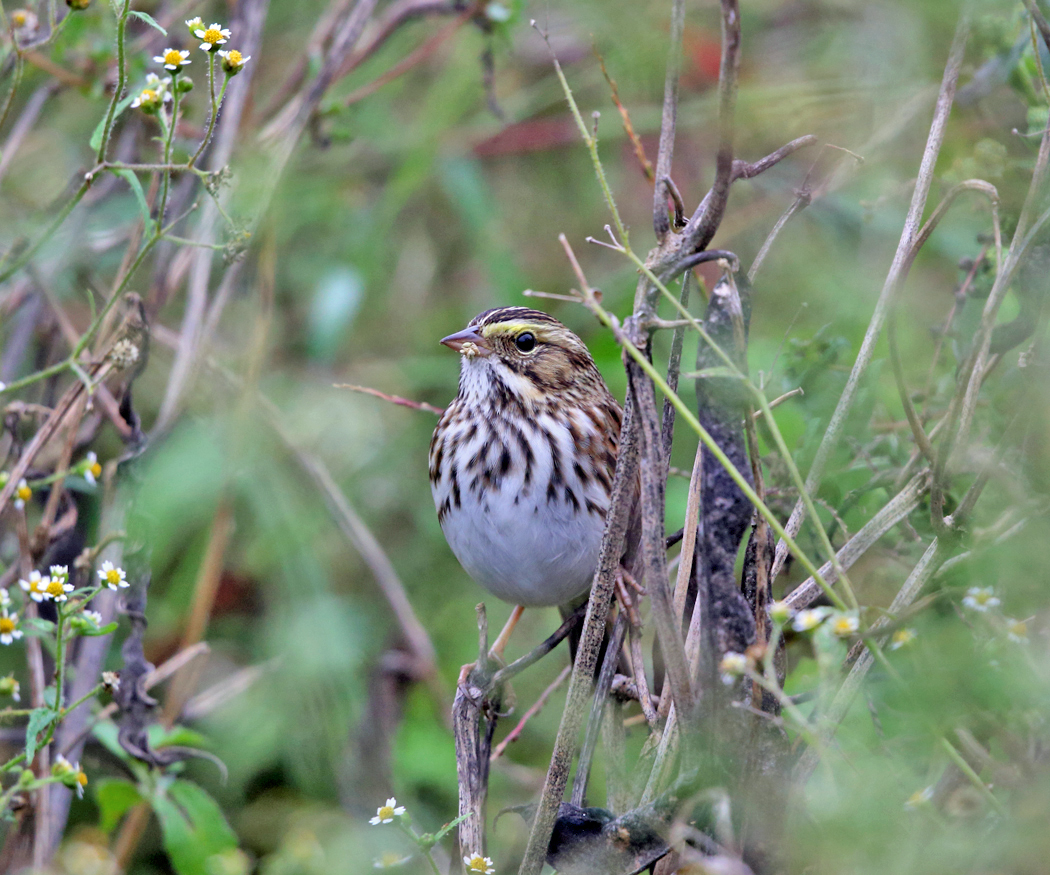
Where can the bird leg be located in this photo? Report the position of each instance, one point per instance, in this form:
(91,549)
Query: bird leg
(498,646)
(496,651)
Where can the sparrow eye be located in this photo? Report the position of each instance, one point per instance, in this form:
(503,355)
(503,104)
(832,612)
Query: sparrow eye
(525,342)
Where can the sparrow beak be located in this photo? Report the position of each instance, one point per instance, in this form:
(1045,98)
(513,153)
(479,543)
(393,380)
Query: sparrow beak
(467,342)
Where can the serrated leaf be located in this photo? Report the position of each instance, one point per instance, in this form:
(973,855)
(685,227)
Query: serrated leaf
(115,797)
(148,19)
(132,179)
(96,138)
(192,826)
(39,719)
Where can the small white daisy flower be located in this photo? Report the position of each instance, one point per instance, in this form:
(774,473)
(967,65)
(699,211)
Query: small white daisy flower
(845,625)
(195,23)
(391,860)
(233,61)
(36,586)
(808,620)
(478,863)
(980,599)
(213,36)
(1017,631)
(112,576)
(58,589)
(9,631)
(10,687)
(387,813)
(902,638)
(173,59)
(733,665)
(22,494)
(919,798)
(94,616)
(72,775)
(780,612)
(24,22)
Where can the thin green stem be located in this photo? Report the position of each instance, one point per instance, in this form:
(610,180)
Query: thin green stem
(789,707)
(23,259)
(625,247)
(763,403)
(50,371)
(971,775)
(165,185)
(606,318)
(122,77)
(89,695)
(215,103)
(414,836)
(592,147)
(60,654)
(200,244)
(15,82)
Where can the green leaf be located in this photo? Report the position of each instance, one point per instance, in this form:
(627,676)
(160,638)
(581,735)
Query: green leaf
(36,626)
(132,179)
(192,826)
(115,798)
(160,736)
(148,19)
(39,720)
(96,137)
(86,632)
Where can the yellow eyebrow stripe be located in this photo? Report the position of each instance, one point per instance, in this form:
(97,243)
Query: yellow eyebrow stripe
(514,328)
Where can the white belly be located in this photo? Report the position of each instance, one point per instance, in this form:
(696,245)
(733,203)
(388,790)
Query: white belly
(531,543)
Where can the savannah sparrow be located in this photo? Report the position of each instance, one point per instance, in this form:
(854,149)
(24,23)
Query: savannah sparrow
(522,461)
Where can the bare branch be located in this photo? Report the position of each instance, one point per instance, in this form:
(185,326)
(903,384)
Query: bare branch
(667,124)
(743,170)
(708,215)
(892,513)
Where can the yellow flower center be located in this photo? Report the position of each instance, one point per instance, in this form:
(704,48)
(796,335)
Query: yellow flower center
(148,94)
(7,625)
(211,35)
(173,57)
(843,626)
(233,58)
(55,588)
(24,492)
(19,17)
(386,812)
(113,576)
(477,864)
(1019,629)
(903,636)
(81,779)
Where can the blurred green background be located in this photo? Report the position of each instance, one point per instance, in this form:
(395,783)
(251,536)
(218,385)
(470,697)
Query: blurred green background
(417,207)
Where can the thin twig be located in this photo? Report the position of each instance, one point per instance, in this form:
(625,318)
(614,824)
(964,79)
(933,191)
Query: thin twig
(532,711)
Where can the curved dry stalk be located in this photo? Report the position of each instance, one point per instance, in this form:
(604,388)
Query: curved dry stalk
(890,288)
(897,509)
